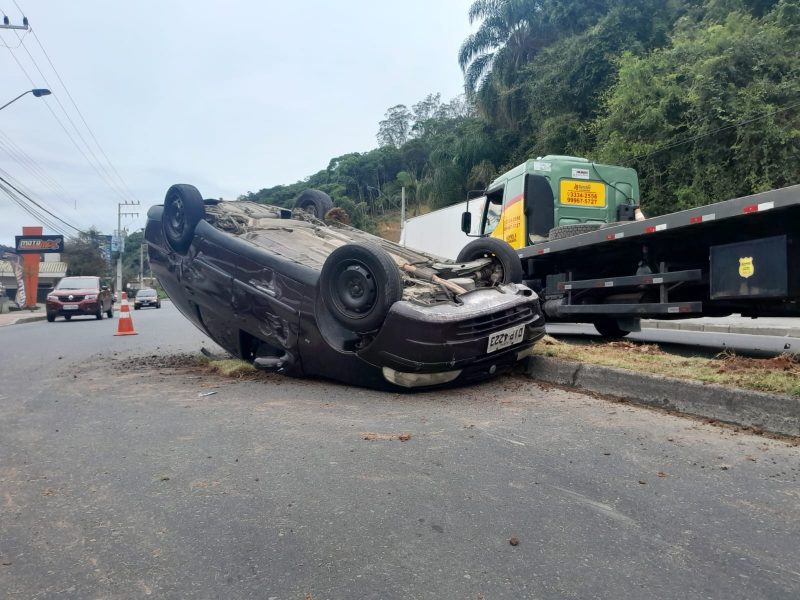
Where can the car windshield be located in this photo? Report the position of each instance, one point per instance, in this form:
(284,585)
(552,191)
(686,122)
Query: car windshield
(146,294)
(77,283)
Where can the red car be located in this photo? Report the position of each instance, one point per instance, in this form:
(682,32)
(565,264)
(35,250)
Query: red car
(79,296)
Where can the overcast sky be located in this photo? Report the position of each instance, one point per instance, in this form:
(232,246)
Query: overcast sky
(229,96)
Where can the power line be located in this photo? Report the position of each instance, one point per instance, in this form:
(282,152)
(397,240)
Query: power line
(105,174)
(39,206)
(34,168)
(709,133)
(60,122)
(19,185)
(78,110)
(33,212)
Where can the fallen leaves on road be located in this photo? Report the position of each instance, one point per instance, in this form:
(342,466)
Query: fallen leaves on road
(661,474)
(636,347)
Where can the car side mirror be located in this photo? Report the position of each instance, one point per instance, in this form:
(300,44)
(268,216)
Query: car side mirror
(466,222)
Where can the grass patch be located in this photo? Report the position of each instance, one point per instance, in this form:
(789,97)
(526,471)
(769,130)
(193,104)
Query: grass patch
(780,374)
(232,367)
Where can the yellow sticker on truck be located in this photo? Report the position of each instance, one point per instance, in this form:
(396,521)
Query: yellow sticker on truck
(512,223)
(583,193)
(746,267)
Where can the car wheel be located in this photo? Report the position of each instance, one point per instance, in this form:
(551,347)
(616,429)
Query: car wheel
(565,231)
(158,305)
(183,210)
(50,317)
(359,283)
(135,307)
(314,201)
(66,318)
(609,328)
(504,258)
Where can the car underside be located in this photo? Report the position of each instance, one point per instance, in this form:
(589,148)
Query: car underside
(290,292)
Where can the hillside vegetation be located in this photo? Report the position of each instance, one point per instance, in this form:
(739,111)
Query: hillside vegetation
(701,97)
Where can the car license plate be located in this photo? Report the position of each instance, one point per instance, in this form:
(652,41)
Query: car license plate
(505,338)
(70,307)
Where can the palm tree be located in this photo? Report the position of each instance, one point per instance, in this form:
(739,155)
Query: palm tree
(509,35)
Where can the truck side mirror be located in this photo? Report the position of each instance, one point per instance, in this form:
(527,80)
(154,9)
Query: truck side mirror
(466,222)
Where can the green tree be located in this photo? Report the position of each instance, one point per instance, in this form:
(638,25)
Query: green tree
(394,129)
(84,254)
(709,118)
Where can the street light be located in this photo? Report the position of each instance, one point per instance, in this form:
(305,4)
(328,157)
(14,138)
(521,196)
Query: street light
(38,92)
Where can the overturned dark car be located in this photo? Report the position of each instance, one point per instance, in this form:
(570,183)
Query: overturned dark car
(292,293)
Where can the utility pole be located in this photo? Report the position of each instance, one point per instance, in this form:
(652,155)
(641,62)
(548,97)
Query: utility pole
(402,209)
(7,24)
(121,240)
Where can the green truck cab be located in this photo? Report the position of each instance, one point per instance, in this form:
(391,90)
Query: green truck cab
(553,197)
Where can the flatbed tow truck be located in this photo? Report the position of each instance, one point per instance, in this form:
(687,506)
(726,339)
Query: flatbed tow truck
(573,224)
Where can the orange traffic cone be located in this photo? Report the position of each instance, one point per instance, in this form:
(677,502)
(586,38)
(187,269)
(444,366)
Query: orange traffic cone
(125,323)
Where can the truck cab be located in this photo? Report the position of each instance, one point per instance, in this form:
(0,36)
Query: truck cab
(553,194)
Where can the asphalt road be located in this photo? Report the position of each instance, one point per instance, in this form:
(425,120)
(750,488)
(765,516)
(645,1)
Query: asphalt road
(120,480)
(710,341)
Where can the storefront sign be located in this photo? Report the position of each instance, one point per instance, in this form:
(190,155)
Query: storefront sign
(39,244)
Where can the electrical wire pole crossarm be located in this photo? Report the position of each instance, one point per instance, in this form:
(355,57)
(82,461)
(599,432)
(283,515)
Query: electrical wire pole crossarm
(120,240)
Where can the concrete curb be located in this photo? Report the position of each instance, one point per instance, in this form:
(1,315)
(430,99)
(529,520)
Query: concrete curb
(740,329)
(779,414)
(29,319)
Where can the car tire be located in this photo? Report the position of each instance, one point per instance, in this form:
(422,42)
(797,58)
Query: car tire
(609,328)
(316,202)
(502,252)
(66,318)
(50,318)
(135,307)
(183,210)
(359,283)
(565,231)
(158,304)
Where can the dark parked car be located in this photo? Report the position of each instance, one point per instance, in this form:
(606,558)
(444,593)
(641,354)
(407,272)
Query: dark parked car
(79,296)
(293,293)
(146,297)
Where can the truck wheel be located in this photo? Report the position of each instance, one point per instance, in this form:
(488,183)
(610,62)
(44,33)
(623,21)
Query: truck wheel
(609,328)
(503,255)
(565,231)
(359,283)
(316,202)
(183,210)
